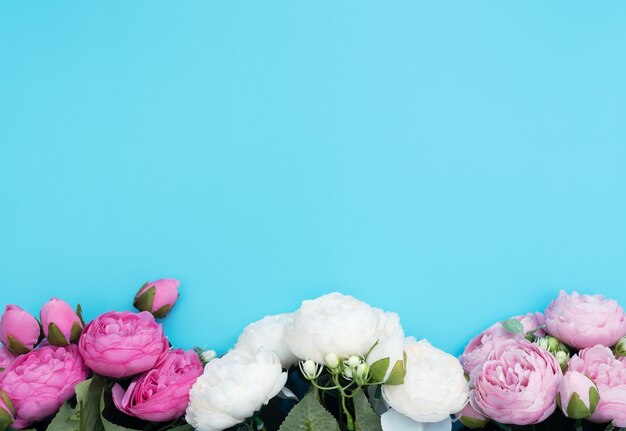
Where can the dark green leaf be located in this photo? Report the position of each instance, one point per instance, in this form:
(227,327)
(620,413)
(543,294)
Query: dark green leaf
(16,347)
(162,312)
(55,336)
(108,425)
(88,394)
(514,326)
(144,301)
(76,331)
(65,420)
(309,415)
(366,419)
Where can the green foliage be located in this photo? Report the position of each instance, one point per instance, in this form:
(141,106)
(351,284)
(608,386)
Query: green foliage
(309,415)
(514,326)
(366,419)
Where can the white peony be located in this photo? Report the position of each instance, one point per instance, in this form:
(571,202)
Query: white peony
(434,386)
(232,388)
(334,323)
(390,343)
(268,333)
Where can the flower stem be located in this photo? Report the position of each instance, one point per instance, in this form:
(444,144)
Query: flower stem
(579,425)
(503,427)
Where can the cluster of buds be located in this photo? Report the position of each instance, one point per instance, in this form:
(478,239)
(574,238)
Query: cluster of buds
(352,368)
(356,369)
(559,350)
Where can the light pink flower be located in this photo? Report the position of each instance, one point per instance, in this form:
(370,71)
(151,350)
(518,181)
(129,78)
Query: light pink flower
(19,330)
(609,375)
(578,395)
(158,297)
(161,394)
(39,382)
(484,343)
(61,324)
(471,418)
(122,344)
(517,384)
(585,321)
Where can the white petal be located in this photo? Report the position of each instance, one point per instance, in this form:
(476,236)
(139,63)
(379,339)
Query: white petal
(286,393)
(444,425)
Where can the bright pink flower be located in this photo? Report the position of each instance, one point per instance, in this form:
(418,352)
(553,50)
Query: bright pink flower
(158,297)
(161,394)
(19,331)
(40,381)
(122,344)
(585,321)
(484,343)
(609,375)
(517,384)
(61,324)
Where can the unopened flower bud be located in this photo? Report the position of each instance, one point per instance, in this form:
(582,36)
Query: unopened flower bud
(620,348)
(19,331)
(562,358)
(157,297)
(354,361)
(332,361)
(310,369)
(362,374)
(578,395)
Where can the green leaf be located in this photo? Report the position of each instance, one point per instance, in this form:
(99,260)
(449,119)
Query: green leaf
(514,326)
(185,427)
(379,369)
(88,395)
(108,425)
(65,420)
(594,399)
(576,409)
(7,402)
(55,336)
(145,300)
(366,419)
(16,347)
(309,415)
(79,312)
(75,333)
(397,374)
(5,420)
(162,312)
(474,423)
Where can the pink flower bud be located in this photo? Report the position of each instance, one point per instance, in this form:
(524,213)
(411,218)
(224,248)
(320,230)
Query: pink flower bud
(578,395)
(471,418)
(19,331)
(7,411)
(158,297)
(61,324)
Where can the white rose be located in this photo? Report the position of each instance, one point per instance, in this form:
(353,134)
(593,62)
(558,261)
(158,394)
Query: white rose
(390,343)
(268,333)
(333,323)
(434,386)
(232,388)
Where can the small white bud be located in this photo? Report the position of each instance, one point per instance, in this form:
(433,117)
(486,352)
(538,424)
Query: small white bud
(208,355)
(362,374)
(310,369)
(332,361)
(354,361)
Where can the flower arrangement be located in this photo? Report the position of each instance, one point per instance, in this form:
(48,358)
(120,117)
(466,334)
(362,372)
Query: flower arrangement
(335,364)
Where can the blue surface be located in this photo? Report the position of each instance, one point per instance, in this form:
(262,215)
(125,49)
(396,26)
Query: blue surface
(457,162)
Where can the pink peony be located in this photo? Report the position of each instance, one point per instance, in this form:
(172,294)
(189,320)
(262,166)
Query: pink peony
(122,344)
(484,343)
(517,384)
(19,331)
(161,394)
(158,297)
(39,382)
(471,418)
(609,375)
(61,324)
(585,321)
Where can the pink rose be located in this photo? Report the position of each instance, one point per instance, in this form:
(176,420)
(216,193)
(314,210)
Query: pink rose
(61,324)
(19,331)
(578,395)
(584,321)
(122,344)
(484,343)
(609,375)
(40,381)
(7,411)
(158,297)
(517,384)
(161,394)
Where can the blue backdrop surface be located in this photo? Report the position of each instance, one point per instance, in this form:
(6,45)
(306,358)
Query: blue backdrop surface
(457,162)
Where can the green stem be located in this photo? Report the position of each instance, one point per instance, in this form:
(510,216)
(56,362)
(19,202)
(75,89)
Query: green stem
(349,418)
(579,425)
(503,427)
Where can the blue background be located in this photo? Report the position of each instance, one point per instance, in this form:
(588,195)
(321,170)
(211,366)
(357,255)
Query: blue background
(457,162)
